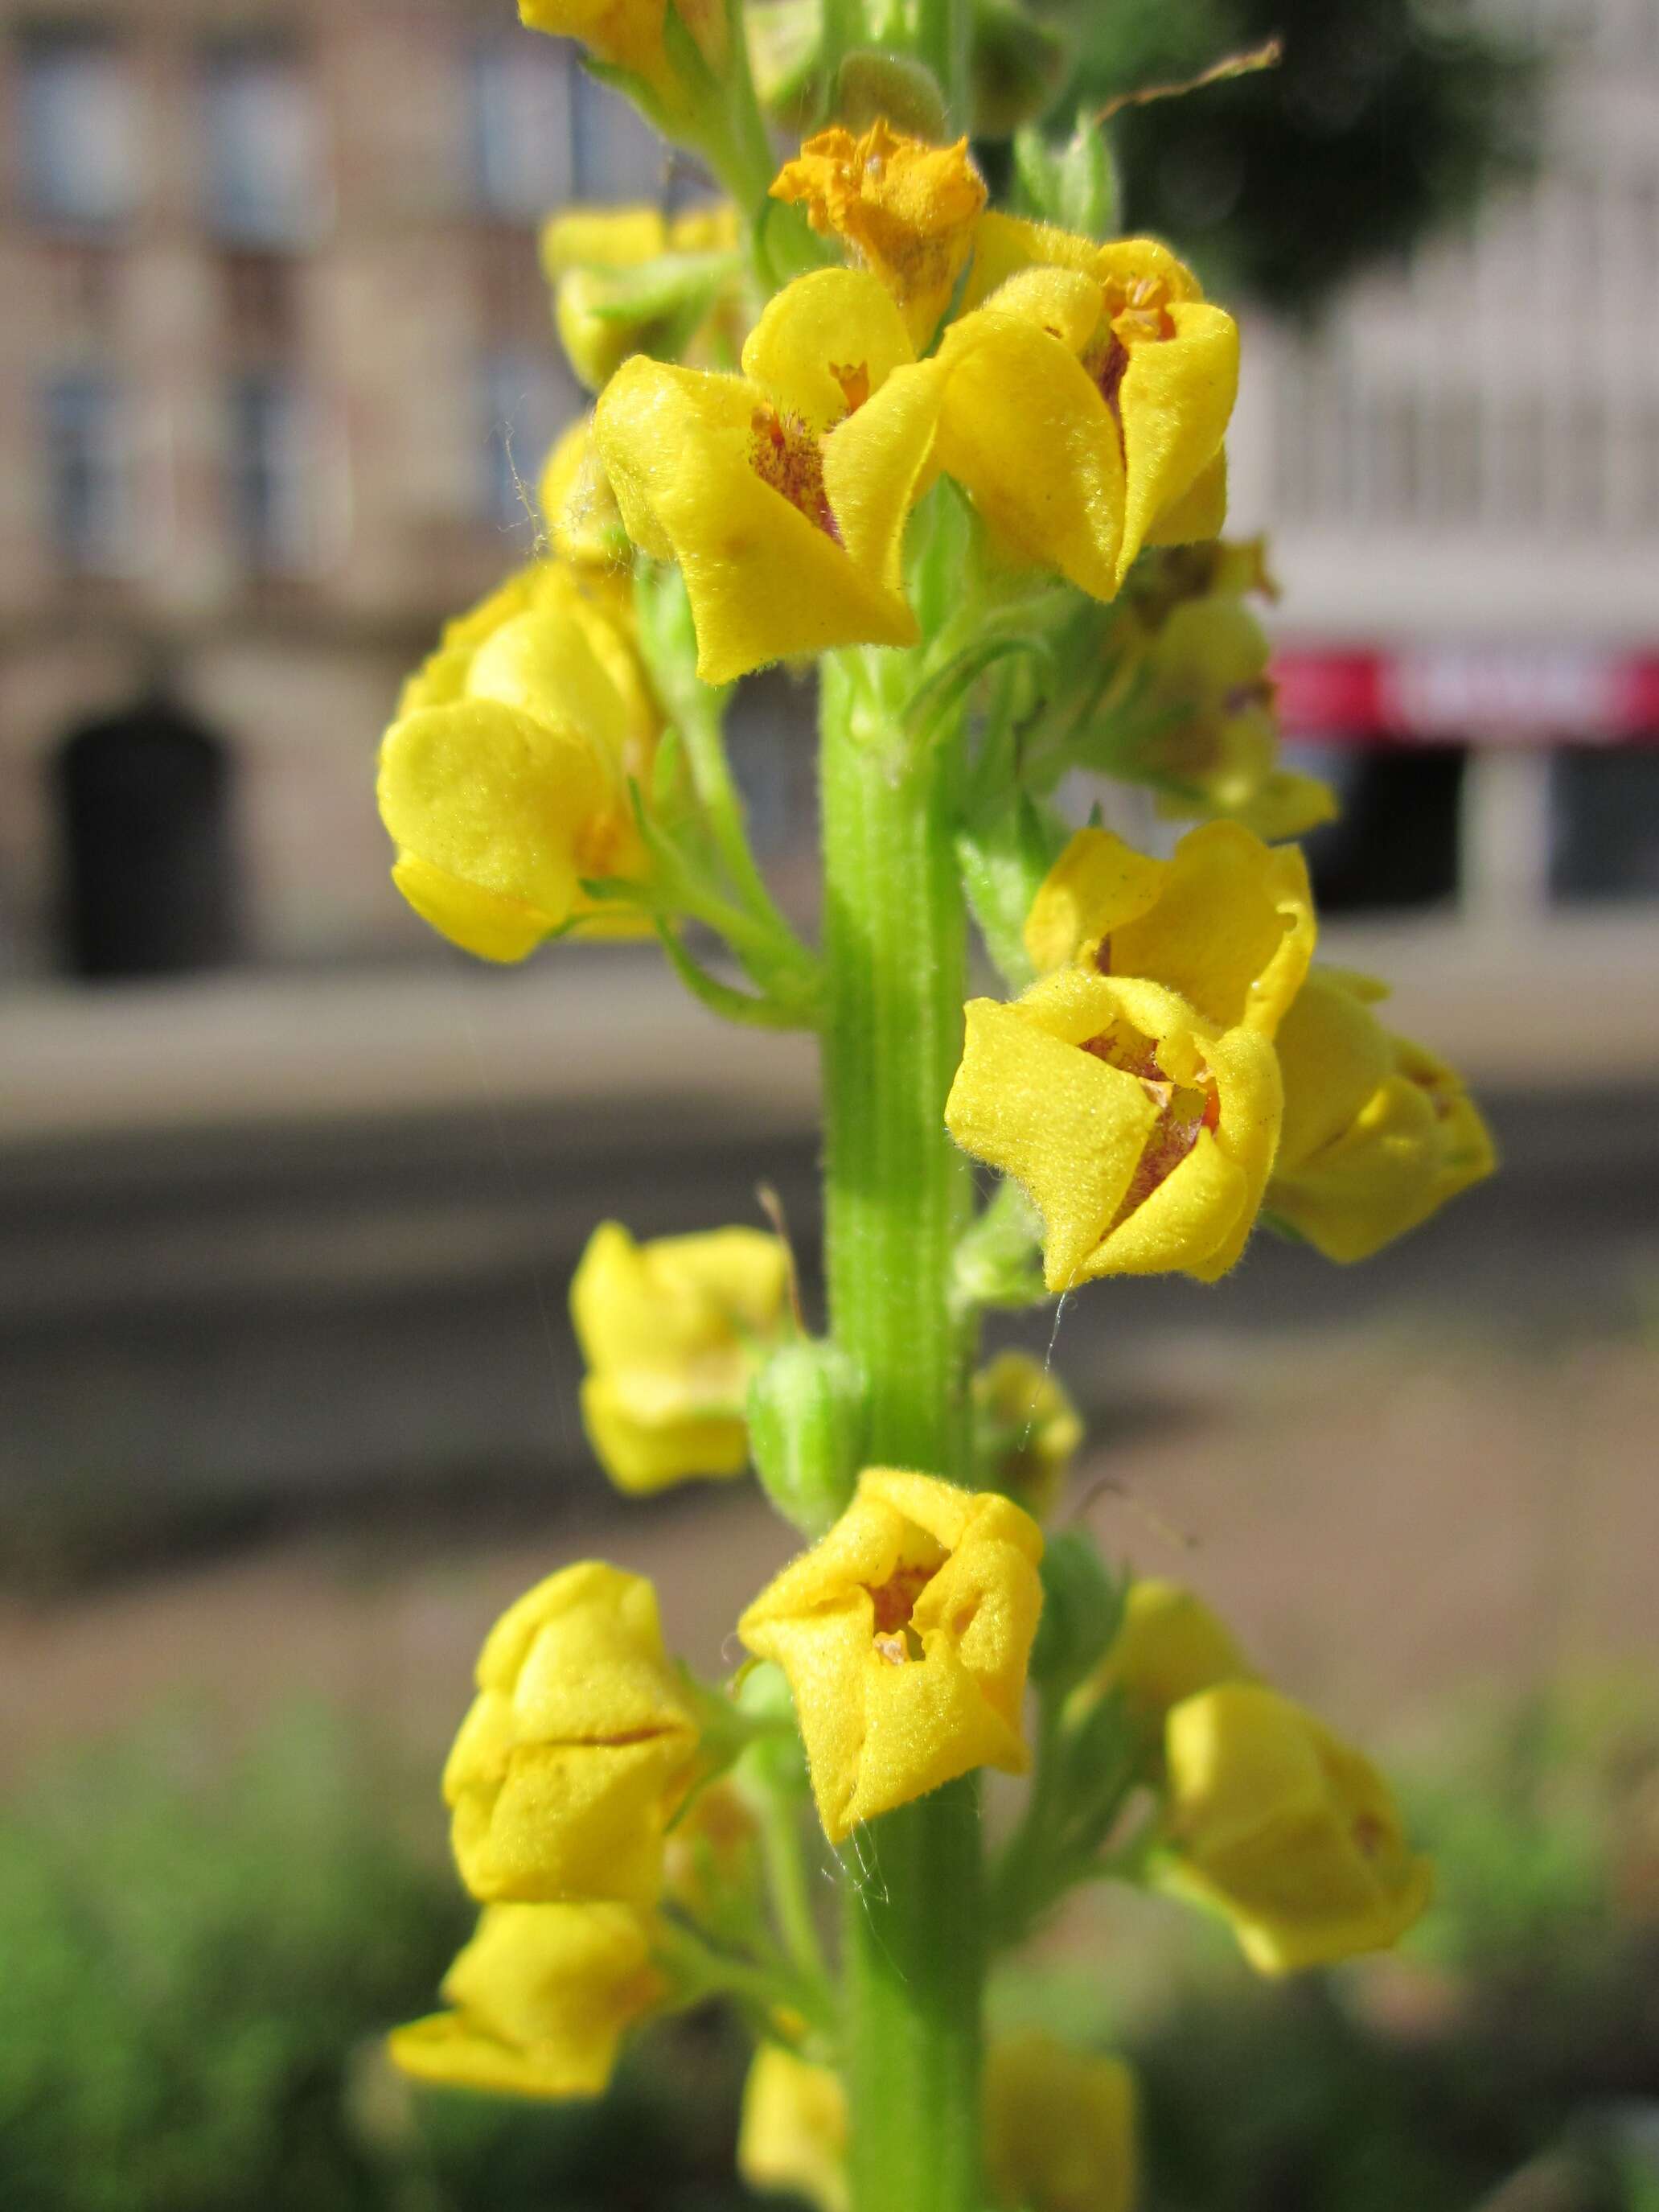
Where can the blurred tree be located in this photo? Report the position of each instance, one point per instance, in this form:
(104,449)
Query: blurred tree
(1384,119)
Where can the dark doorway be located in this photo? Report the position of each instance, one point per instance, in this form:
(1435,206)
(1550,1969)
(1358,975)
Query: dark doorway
(143,800)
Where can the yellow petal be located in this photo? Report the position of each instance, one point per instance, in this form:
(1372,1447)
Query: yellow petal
(1201,513)
(481,923)
(1025,431)
(1169,1647)
(1005,244)
(1069,1129)
(793,2132)
(764,583)
(602,238)
(1174,402)
(543,1995)
(1097,883)
(1232,929)
(493,798)
(834,317)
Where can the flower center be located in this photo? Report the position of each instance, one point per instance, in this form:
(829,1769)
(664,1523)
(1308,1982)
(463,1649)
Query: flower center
(1133,311)
(1184,1111)
(784,454)
(895,1601)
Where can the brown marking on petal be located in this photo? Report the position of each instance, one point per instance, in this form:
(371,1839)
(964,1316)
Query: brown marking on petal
(1132,314)
(1184,1112)
(1369,1834)
(786,457)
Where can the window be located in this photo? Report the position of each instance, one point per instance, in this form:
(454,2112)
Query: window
(78,128)
(263,181)
(615,155)
(272,472)
(526,401)
(87,472)
(521,118)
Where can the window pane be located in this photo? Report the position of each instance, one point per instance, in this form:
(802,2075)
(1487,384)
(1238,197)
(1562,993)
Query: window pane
(617,155)
(272,450)
(86,472)
(263,151)
(1607,823)
(521,123)
(78,128)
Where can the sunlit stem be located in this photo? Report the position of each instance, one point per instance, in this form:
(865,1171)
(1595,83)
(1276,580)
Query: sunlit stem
(897,1199)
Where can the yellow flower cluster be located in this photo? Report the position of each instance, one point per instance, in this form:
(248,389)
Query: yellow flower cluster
(1268,1819)
(1060,2128)
(1176,1066)
(581,1746)
(1079,397)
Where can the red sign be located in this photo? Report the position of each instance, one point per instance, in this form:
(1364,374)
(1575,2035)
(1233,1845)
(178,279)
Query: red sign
(1507,694)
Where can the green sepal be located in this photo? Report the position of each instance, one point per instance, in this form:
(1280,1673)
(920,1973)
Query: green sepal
(1004,859)
(1018,64)
(1074,185)
(1082,1609)
(997,1259)
(807,1414)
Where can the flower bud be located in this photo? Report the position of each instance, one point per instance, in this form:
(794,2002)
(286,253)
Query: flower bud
(806,1421)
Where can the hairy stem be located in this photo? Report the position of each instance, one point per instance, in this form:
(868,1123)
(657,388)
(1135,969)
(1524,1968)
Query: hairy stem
(896,1198)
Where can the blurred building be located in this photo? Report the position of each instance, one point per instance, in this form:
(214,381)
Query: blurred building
(275,355)
(1461,472)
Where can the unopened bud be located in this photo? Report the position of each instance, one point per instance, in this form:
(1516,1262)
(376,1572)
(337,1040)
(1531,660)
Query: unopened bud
(806,1418)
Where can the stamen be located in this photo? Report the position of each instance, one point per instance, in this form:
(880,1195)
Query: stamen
(784,454)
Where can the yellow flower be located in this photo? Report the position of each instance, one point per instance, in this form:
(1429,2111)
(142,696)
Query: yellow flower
(1228,923)
(904,1633)
(1288,1834)
(577,1750)
(1087,398)
(1214,745)
(783,492)
(541,1998)
(907,209)
(673,1332)
(580,509)
(1378,1133)
(1141,1132)
(1169,1647)
(631,280)
(1060,2128)
(627,34)
(503,782)
(1026,1430)
(793,2132)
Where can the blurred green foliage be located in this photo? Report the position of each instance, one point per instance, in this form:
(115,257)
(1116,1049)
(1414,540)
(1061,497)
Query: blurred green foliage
(1384,119)
(199,1953)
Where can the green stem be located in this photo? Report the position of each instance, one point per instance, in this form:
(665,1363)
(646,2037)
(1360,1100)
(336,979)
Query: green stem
(786,1878)
(945,42)
(896,1198)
